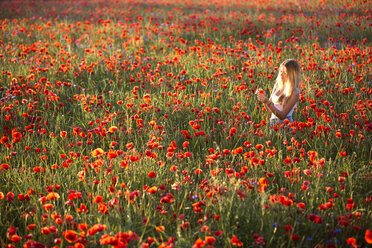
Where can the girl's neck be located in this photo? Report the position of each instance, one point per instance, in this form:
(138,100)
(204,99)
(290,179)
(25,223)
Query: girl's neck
(280,88)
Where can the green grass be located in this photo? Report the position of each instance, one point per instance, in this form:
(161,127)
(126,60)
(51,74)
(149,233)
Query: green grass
(71,74)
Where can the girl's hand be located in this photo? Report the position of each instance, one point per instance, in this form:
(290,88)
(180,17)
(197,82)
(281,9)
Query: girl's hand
(260,91)
(261,96)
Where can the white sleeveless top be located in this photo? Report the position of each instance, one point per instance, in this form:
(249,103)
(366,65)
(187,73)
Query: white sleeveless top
(275,101)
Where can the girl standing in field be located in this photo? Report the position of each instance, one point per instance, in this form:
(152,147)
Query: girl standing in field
(285,94)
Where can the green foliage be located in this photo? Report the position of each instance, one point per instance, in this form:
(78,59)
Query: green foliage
(168,89)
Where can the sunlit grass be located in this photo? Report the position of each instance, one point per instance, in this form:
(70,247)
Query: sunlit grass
(141,117)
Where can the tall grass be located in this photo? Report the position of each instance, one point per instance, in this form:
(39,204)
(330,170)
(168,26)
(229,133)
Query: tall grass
(139,79)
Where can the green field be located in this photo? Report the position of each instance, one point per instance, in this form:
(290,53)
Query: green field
(135,123)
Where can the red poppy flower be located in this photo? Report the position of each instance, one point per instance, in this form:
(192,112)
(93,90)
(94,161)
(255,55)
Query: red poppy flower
(97,152)
(368,236)
(152,174)
(15,238)
(96,228)
(5,166)
(152,190)
(53,196)
(235,241)
(70,235)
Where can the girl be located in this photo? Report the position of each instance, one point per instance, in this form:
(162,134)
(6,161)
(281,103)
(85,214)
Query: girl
(285,93)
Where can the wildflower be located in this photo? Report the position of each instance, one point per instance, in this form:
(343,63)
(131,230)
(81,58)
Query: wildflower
(350,204)
(235,241)
(31,227)
(152,190)
(368,236)
(263,184)
(168,198)
(83,226)
(301,205)
(259,146)
(63,134)
(96,228)
(53,196)
(15,238)
(199,243)
(185,144)
(5,166)
(108,240)
(210,240)
(352,242)
(294,237)
(48,206)
(97,152)
(70,235)
(10,196)
(316,219)
(152,174)
(112,129)
(160,229)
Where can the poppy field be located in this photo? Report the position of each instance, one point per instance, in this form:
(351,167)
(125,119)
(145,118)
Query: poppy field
(135,124)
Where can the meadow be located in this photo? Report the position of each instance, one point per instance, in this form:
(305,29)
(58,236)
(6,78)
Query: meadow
(135,124)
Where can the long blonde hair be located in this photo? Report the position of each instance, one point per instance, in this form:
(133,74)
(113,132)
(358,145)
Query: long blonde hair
(292,84)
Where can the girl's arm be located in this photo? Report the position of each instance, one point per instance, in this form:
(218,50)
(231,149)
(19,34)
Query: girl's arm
(267,105)
(287,106)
